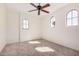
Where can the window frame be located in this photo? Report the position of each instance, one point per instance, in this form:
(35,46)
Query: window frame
(72,17)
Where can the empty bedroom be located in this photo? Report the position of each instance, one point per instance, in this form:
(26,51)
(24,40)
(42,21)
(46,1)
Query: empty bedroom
(39,29)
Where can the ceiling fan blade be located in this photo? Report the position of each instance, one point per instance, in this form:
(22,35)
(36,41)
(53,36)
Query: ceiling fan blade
(45,11)
(38,12)
(45,6)
(32,10)
(33,5)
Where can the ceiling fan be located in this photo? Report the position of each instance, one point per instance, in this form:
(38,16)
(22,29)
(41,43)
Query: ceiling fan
(40,8)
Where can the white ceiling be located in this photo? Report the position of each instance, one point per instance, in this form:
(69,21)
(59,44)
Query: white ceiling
(25,7)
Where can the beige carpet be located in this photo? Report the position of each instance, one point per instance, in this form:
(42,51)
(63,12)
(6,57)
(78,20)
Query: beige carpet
(32,48)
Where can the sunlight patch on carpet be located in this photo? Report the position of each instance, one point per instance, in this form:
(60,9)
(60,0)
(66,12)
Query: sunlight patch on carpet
(34,42)
(44,49)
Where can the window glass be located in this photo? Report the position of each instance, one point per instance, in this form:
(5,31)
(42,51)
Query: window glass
(75,14)
(52,22)
(25,24)
(69,15)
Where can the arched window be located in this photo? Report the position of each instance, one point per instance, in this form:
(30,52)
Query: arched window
(52,21)
(72,18)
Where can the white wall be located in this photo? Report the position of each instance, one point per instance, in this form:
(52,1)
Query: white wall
(2,26)
(61,34)
(13,27)
(34,27)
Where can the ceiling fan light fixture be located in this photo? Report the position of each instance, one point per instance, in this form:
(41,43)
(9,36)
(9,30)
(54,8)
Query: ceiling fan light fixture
(40,8)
